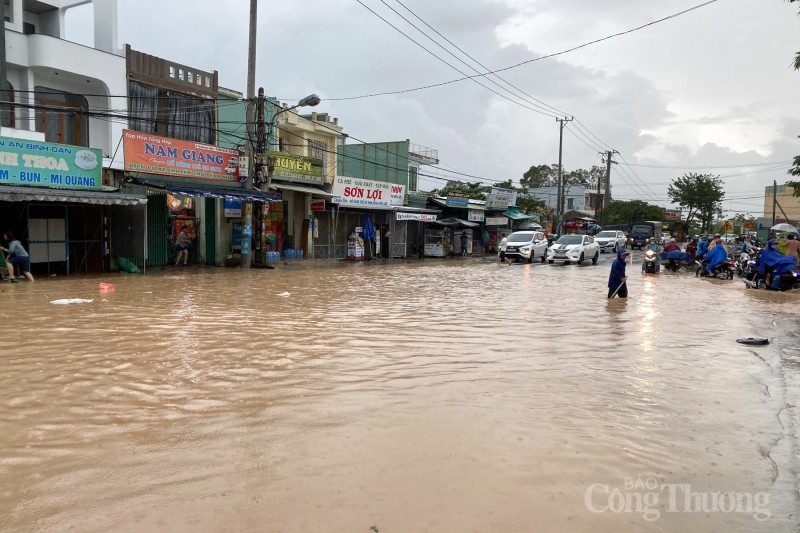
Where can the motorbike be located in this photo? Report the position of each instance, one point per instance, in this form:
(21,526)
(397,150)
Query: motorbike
(651,263)
(723,270)
(744,258)
(787,281)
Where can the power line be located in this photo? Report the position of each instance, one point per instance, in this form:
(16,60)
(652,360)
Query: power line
(505,81)
(516,65)
(473,78)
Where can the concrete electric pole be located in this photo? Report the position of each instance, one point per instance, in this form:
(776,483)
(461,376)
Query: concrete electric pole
(560,196)
(609,159)
(247,207)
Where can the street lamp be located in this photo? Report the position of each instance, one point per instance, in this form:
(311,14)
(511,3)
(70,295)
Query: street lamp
(309,101)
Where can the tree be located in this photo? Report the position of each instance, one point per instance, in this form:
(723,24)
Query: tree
(699,195)
(474,190)
(539,176)
(629,211)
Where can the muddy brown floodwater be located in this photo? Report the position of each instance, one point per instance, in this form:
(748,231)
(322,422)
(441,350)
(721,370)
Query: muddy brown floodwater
(441,396)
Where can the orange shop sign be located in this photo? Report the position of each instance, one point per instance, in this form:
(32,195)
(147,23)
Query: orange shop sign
(152,154)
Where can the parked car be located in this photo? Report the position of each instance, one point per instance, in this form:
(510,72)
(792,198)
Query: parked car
(525,245)
(610,240)
(574,248)
(729,238)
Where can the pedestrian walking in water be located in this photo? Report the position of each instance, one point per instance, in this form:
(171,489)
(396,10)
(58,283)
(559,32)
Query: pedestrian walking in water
(18,256)
(464,244)
(617,280)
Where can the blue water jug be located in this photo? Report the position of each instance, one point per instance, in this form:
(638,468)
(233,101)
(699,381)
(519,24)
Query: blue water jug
(298,253)
(288,253)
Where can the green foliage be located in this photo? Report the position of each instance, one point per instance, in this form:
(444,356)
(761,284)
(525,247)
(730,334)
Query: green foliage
(699,195)
(795,171)
(474,190)
(539,176)
(795,185)
(547,176)
(629,211)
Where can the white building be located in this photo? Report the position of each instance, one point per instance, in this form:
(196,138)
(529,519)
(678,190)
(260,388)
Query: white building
(47,73)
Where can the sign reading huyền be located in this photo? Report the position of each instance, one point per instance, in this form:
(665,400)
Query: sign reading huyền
(365,193)
(152,154)
(290,167)
(41,164)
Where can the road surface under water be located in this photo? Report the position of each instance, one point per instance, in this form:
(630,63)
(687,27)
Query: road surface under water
(436,395)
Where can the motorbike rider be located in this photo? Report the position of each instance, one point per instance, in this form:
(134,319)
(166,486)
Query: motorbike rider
(691,248)
(672,246)
(702,245)
(747,245)
(715,241)
(653,246)
(773,263)
(716,255)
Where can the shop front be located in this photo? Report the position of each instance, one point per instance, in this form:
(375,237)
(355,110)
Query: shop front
(358,204)
(444,238)
(53,199)
(187,184)
(468,210)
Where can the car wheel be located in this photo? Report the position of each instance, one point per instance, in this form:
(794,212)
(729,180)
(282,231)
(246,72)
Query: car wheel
(580,261)
(595,258)
(530,259)
(544,258)
(615,248)
(550,261)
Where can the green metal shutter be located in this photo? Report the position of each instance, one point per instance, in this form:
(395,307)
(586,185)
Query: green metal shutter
(158,252)
(211,231)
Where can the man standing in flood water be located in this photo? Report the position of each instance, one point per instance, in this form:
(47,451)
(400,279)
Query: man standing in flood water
(617,278)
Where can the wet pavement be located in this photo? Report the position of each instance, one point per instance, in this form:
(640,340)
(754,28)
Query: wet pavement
(435,395)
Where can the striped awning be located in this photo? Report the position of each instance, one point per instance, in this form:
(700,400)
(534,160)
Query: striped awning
(107,196)
(247,195)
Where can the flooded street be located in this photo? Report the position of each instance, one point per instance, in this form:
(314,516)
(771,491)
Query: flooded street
(441,396)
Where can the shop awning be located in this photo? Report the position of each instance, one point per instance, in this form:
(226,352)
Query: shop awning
(248,195)
(477,205)
(106,196)
(319,193)
(516,215)
(452,221)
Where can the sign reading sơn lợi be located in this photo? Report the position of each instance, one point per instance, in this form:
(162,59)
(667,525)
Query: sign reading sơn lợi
(366,193)
(42,164)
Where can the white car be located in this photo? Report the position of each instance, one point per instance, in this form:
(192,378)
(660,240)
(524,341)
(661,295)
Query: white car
(525,245)
(576,248)
(610,240)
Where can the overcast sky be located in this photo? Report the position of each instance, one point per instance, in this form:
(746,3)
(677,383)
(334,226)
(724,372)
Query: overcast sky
(711,88)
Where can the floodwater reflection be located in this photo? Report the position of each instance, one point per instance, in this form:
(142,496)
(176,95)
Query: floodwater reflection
(459,395)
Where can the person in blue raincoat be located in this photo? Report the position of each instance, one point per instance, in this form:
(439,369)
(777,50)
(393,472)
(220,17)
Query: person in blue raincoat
(702,246)
(616,278)
(717,255)
(772,262)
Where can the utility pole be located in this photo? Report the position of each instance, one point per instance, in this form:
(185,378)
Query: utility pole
(609,159)
(774,199)
(5,110)
(247,208)
(560,196)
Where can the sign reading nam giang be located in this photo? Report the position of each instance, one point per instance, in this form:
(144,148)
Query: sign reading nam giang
(41,164)
(152,154)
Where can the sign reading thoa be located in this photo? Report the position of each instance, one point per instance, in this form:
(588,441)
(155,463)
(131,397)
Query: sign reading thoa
(41,164)
(357,192)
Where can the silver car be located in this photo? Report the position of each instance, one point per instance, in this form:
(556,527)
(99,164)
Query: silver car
(610,240)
